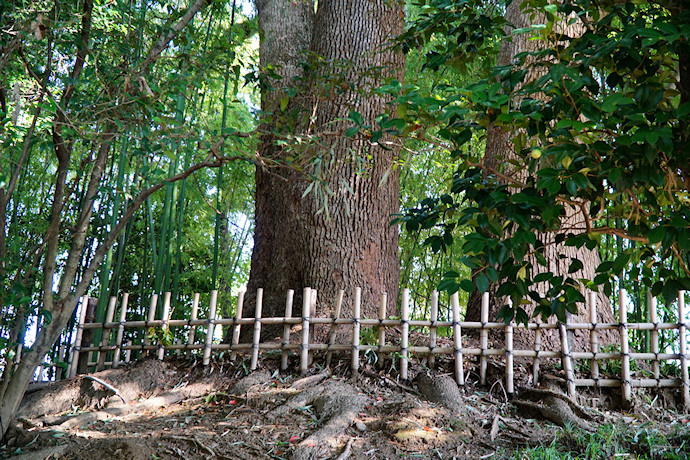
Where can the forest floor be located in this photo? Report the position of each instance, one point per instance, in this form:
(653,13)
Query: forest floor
(177,409)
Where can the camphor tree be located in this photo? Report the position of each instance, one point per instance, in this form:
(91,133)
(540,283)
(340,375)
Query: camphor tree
(97,78)
(598,124)
(331,230)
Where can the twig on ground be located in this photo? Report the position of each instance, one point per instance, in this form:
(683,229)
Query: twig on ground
(107,385)
(348,450)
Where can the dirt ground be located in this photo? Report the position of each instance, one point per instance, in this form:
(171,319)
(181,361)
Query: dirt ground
(178,409)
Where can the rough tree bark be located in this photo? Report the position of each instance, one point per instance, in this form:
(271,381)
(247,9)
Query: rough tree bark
(499,149)
(353,244)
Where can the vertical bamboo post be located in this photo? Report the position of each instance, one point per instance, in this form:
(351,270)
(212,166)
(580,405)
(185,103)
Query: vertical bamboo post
(405,322)
(625,355)
(537,349)
(76,347)
(192,328)
(257,329)
(484,339)
(128,351)
(151,316)
(431,359)
(120,330)
(355,330)
(457,340)
(334,327)
(567,360)
(312,330)
(237,327)
(211,327)
(164,325)
(286,329)
(304,344)
(682,327)
(105,339)
(593,337)
(510,372)
(654,335)
(382,329)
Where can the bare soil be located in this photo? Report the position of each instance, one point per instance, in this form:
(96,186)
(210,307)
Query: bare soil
(178,409)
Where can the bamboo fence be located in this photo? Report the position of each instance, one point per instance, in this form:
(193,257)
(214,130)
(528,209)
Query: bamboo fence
(403,352)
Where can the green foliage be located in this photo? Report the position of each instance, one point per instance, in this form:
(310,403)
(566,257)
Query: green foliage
(599,125)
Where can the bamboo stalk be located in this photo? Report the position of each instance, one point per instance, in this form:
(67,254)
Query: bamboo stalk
(654,335)
(211,326)
(238,315)
(286,329)
(120,330)
(567,362)
(192,328)
(625,357)
(257,329)
(105,337)
(382,329)
(484,338)
(356,330)
(77,338)
(334,327)
(537,350)
(404,318)
(510,373)
(430,360)
(304,344)
(593,335)
(457,340)
(164,326)
(682,327)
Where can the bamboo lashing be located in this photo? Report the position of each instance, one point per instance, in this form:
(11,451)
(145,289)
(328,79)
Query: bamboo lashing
(257,329)
(334,327)
(625,356)
(382,328)
(593,336)
(483,338)
(77,338)
(430,360)
(356,330)
(304,344)
(682,328)
(195,312)
(405,325)
(120,330)
(105,335)
(286,329)
(457,339)
(210,329)
(164,325)
(237,328)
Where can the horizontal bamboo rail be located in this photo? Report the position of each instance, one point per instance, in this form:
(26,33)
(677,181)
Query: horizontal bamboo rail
(302,347)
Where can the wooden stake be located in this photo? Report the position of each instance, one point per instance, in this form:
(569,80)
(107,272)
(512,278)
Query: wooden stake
(457,340)
(236,331)
(430,360)
(164,326)
(304,344)
(510,387)
(211,328)
(105,339)
(257,329)
(120,330)
(286,329)
(682,327)
(405,322)
(356,330)
(334,327)
(76,347)
(192,329)
(625,351)
(593,336)
(484,339)
(380,357)
(654,334)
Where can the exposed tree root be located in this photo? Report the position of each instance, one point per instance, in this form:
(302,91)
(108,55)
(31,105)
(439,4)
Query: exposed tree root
(554,407)
(442,389)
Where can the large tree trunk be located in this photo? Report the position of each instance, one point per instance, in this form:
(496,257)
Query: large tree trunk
(499,150)
(297,243)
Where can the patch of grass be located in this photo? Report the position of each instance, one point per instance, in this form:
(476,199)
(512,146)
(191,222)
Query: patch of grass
(640,442)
